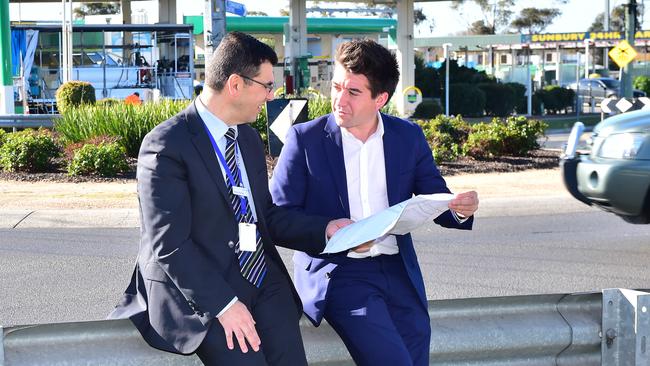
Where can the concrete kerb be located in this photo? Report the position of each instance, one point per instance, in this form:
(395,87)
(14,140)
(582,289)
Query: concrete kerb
(129,218)
(70,218)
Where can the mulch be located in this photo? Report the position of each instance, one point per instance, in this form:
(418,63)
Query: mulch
(536,159)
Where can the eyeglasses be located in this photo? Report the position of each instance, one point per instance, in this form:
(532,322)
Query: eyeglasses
(269,87)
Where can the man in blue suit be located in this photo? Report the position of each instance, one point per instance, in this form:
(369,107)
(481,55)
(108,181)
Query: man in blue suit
(353,163)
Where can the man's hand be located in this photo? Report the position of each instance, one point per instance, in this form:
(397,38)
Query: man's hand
(238,320)
(334,226)
(465,204)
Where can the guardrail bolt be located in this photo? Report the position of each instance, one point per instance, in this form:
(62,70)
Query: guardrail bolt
(609,337)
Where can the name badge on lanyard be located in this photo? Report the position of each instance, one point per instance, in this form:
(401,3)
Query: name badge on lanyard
(247,237)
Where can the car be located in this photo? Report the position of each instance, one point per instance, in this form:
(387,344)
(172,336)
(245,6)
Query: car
(615,174)
(600,88)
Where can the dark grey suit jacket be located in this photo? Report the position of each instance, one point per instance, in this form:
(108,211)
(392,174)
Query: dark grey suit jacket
(187,270)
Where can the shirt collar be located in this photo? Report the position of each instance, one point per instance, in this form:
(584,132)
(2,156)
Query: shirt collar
(215,125)
(379,132)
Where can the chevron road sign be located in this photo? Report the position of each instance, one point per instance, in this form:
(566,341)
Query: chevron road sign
(615,105)
(282,114)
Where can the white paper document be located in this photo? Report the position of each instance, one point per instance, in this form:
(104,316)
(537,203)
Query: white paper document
(399,219)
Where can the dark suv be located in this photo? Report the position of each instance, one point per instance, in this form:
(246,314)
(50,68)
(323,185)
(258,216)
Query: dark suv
(615,174)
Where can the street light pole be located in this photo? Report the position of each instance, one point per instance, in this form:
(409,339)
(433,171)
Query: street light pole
(7,91)
(445,48)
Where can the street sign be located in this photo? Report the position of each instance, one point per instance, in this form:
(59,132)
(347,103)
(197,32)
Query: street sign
(623,53)
(613,105)
(281,114)
(235,8)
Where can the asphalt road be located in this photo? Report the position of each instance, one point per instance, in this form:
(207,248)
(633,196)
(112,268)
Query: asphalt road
(62,275)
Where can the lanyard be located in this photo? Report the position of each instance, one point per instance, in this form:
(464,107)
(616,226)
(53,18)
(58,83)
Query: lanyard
(229,173)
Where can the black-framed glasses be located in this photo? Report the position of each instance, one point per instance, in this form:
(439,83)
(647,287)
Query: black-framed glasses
(269,87)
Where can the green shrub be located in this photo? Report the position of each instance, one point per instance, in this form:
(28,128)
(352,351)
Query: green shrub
(514,136)
(74,93)
(519,96)
(319,106)
(108,102)
(427,109)
(445,136)
(29,151)
(3,134)
(642,83)
(556,98)
(261,126)
(104,159)
(127,123)
(499,99)
(466,100)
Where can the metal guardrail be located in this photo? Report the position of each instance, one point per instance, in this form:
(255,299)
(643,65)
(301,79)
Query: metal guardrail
(562,329)
(27,120)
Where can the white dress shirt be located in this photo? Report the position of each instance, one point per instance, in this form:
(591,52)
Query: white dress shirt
(365,172)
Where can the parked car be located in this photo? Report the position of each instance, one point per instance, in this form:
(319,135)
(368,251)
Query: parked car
(615,174)
(600,88)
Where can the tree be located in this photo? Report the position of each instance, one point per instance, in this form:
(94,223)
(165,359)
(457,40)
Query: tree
(96,9)
(479,27)
(616,20)
(534,20)
(495,15)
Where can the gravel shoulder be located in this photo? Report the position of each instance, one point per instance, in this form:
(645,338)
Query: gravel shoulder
(17,195)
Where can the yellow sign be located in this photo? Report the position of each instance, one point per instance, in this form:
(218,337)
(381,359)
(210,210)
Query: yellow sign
(622,54)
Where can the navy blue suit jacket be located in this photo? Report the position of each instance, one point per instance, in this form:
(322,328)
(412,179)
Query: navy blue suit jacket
(310,177)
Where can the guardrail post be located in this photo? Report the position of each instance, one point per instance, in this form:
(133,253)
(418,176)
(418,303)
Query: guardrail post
(2,346)
(626,328)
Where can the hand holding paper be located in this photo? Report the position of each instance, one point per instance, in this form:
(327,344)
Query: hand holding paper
(398,219)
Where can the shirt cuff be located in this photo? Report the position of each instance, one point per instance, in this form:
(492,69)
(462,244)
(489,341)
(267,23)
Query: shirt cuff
(458,218)
(231,303)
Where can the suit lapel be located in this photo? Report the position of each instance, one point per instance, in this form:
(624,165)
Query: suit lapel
(203,145)
(334,152)
(392,156)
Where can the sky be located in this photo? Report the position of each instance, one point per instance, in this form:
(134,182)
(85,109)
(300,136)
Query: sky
(577,15)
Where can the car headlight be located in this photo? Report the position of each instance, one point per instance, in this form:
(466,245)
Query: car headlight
(621,146)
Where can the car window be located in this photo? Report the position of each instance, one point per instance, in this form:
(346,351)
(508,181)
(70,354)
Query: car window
(611,83)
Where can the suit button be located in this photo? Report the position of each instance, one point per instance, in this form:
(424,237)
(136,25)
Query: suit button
(328,275)
(231,244)
(237,251)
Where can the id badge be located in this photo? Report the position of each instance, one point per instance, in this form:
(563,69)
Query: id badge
(247,237)
(240,191)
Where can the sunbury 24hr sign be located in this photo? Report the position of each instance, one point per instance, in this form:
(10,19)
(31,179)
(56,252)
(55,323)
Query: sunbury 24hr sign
(580,36)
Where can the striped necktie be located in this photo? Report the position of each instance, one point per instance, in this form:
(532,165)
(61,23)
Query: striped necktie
(252,264)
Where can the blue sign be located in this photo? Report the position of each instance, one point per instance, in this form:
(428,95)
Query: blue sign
(235,8)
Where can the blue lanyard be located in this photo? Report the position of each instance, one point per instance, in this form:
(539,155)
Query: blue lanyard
(229,173)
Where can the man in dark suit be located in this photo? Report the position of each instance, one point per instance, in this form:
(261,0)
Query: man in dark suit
(208,277)
(355,162)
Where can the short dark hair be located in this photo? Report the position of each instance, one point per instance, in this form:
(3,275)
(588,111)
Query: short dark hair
(238,53)
(374,61)
(136,94)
